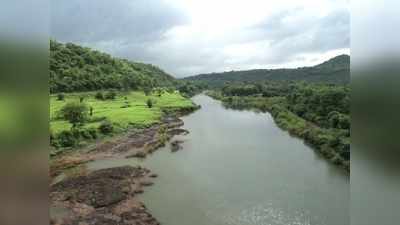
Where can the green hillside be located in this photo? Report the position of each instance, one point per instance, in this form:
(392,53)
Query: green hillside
(335,70)
(75,68)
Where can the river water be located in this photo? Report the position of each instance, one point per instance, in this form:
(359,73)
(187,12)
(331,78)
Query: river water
(239,168)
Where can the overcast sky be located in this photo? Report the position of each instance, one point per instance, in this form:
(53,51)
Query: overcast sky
(188,37)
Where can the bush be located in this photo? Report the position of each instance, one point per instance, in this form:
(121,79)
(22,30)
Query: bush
(93,133)
(67,139)
(75,113)
(60,97)
(110,95)
(84,133)
(99,95)
(147,91)
(149,103)
(106,127)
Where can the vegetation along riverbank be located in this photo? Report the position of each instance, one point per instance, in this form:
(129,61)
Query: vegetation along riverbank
(317,113)
(105,108)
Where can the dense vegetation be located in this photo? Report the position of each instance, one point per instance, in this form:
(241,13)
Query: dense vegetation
(75,68)
(318,113)
(95,95)
(335,70)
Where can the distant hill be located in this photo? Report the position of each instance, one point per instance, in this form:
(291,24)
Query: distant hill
(76,68)
(335,70)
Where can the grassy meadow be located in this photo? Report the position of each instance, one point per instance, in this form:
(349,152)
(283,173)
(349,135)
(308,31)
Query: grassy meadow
(128,109)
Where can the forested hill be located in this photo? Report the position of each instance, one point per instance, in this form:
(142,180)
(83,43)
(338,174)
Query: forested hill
(335,70)
(76,68)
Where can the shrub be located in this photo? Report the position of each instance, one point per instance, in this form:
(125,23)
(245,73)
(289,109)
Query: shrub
(106,127)
(90,111)
(75,113)
(147,91)
(67,139)
(149,103)
(93,133)
(60,97)
(110,95)
(99,95)
(84,133)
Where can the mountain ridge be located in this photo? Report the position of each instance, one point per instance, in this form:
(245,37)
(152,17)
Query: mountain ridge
(335,70)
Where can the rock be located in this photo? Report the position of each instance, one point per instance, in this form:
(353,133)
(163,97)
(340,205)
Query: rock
(176,145)
(138,154)
(104,197)
(178,131)
(138,191)
(146,183)
(153,175)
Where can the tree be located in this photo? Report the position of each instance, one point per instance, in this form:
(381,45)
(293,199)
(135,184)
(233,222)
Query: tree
(60,97)
(149,103)
(99,95)
(75,112)
(147,91)
(110,95)
(106,127)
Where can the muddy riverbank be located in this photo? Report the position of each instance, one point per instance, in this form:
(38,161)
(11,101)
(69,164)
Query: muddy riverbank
(108,196)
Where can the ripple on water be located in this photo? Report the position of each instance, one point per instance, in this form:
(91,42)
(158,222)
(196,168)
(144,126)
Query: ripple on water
(267,215)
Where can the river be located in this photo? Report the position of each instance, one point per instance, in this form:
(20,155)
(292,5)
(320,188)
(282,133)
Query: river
(239,168)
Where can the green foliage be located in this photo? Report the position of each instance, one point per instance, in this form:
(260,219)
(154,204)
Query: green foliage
(189,88)
(67,139)
(147,91)
(74,68)
(106,127)
(75,113)
(60,97)
(149,103)
(110,95)
(335,70)
(318,113)
(99,95)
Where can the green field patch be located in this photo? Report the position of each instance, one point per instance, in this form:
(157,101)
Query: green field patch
(127,109)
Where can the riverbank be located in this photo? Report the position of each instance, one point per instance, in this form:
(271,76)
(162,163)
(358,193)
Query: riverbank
(109,196)
(111,116)
(322,140)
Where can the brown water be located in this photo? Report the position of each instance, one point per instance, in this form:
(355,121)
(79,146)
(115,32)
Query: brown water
(238,167)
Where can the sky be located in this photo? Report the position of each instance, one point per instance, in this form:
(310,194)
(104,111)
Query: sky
(189,37)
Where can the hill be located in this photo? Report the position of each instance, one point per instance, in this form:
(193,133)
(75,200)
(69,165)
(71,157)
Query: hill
(335,70)
(75,68)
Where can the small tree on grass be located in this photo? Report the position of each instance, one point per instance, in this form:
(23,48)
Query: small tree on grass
(60,97)
(149,103)
(99,95)
(75,112)
(110,95)
(147,91)
(106,127)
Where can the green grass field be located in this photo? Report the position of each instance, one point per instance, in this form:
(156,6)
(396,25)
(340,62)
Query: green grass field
(138,114)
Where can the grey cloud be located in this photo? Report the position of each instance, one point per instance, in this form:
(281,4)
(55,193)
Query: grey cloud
(135,29)
(91,21)
(305,35)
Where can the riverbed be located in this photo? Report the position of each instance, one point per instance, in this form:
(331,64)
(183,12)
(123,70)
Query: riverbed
(239,168)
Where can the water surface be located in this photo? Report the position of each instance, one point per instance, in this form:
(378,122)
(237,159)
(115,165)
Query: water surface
(239,168)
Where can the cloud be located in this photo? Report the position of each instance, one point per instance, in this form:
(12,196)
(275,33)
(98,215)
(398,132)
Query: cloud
(115,21)
(187,37)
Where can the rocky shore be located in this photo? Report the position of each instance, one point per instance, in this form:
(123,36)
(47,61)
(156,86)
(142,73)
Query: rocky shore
(108,196)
